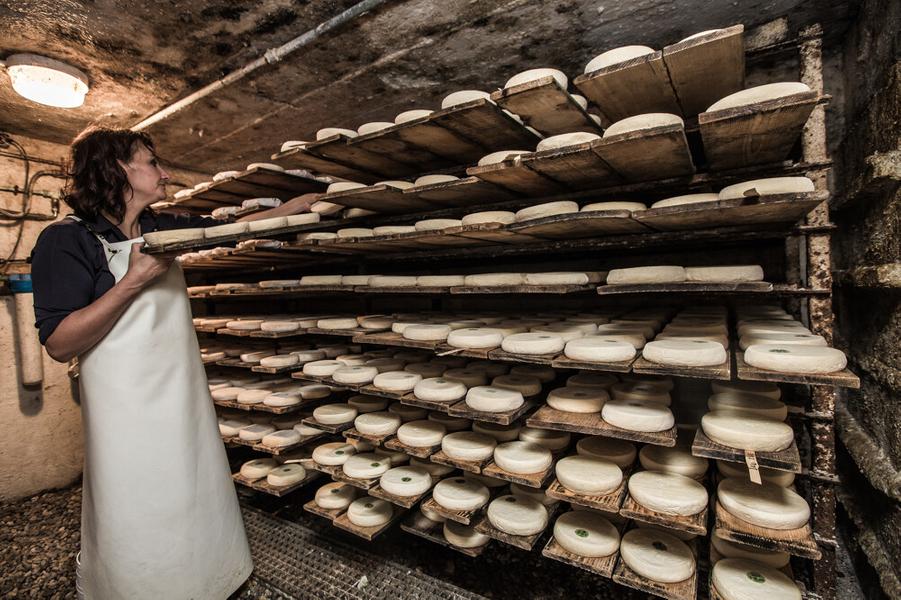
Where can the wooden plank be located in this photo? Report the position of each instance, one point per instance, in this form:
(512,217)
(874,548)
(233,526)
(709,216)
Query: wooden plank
(381,198)
(545,106)
(721,372)
(610,502)
(798,542)
(277,180)
(470,466)
(300,158)
(681,590)
(659,153)
(513,175)
(758,133)
(276,410)
(275,490)
(495,233)
(485,123)
(592,424)
(580,225)
(562,362)
(312,422)
(424,133)
(687,287)
(467,191)
(461,409)
(389,338)
(402,501)
(706,68)
(463,517)
(523,542)
(363,484)
(757,210)
(637,86)
(783,460)
(420,525)
(277,451)
(598,565)
(412,400)
(422,452)
(843,378)
(367,533)
(375,440)
(696,523)
(577,167)
(337,148)
(327,513)
(533,480)
(535,359)
(387,142)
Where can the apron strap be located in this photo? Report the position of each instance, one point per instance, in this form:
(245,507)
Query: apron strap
(106,246)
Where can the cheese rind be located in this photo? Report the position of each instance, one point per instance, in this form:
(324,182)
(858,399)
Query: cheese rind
(369,512)
(421,433)
(468,445)
(458,493)
(795,358)
(638,416)
(335,496)
(668,493)
(747,431)
(522,457)
(657,555)
(588,475)
(406,481)
(642,275)
(463,536)
(577,400)
(517,515)
(366,466)
(765,505)
(743,579)
(586,534)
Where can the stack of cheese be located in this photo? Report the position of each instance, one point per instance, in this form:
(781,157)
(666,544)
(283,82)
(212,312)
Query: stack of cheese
(696,337)
(640,404)
(748,416)
(675,274)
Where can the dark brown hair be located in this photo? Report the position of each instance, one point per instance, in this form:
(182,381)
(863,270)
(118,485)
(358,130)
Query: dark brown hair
(96,181)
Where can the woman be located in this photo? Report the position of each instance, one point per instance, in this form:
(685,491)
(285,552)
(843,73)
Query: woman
(160,517)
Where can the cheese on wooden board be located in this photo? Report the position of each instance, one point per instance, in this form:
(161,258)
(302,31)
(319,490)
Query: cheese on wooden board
(366,465)
(406,481)
(457,493)
(468,445)
(463,536)
(648,417)
(743,579)
(335,496)
(285,475)
(765,505)
(617,56)
(377,423)
(588,474)
(369,512)
(517,515)
(657,555)
(258,468)
(586,534)
(522,457)
(747,431)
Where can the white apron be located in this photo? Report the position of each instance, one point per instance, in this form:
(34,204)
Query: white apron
(160,516)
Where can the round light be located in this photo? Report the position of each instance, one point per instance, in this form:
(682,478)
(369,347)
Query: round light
(47,81)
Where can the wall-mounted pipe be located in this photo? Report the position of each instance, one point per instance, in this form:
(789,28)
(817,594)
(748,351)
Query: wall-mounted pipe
(31,356)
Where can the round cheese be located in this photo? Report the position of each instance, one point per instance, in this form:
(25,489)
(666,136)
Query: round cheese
(760,93)
(438,389)
(761,388)
(743,579)
(491,216)
(475,337)
(218,231)
(586,534)
(366,128)
(392,230)
(458,493)
(557,278)
(730,549)
(377,423)
(685,353)
(406,481)
(616,56)
(493,399)
(421,434)
(462,97)
(643,275)
(321,368)
(468,445)
(255,433)
(642,122)
(724,274)
(526,385)
(369,512)
(534,74)
(252,396)
(676,460)
(577,399)
(795,339)
(231,427)
(613,205)
(533,343)
(283,399)
(427,332)
(668,493)
(494,279)
(327,132)
(795,359)
(588,475)
(685,200)
(333,453)
(285,475)
(599,348)
(366,465)
(550,439)
(440,280)
(355,375)
(335,324)
(463,536)
(302,219)
(411,115)
(396,381)
(517,516)
(638,416)
(385,364)
(769,186)
(335,496)
(306,430)
(740,470)
(657,555)
(619,452)
(548,209)
(747,431)
(258,468)
(641,391)
(383,281)
(282,438)
(334,414)
(501,433)
(522,457)
(767,505)
(750,403)
(266,225)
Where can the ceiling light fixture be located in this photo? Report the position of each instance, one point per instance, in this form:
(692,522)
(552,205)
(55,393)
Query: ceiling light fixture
(47,81)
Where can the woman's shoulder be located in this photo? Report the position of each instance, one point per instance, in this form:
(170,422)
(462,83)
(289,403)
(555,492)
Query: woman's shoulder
(66,234)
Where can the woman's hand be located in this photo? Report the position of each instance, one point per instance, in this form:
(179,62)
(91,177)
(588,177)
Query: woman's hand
(294,206)
(144,268)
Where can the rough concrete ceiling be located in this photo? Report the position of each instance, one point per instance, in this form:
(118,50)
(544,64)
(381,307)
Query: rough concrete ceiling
(141,56)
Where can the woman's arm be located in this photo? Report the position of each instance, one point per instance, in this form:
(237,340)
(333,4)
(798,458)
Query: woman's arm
(294,206)
(82,329)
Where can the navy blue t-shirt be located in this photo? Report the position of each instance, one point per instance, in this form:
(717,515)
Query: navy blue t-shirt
(68,265)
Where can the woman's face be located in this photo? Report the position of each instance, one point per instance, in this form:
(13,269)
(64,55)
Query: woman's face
(146,177)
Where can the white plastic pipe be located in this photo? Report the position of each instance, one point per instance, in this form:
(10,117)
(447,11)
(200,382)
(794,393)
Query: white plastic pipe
(31,356)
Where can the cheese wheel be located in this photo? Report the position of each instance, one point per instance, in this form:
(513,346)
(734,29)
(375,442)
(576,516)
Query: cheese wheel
(427,332)
(265,225)
(383,281)
(526,385)
(396,381)
(468,445)
(657,555)
(534,74)
(252,396)
(374,126)
(406,481)
(375,322)
(771,185)
(591,380)
(355,375)
(638,416)
(795,359)
(338,323)
(557,278)
(599,348)
(730,549)
(761,388)
(440,280)
(427,370)
(533,343)
(686,199)
(327,132)
(760,93)
(279,327)
(642,122)
(794,339)
(377,423)
(335,496)
(438,389)
(616,56)
(614,205)
(586,534)
(678,460)
(283,399)
(740,470)
(333,453)
(355,232)
(285,475)
(619,452)
(334,414)
(685,353)
(421,433)
(218,231)
(550,439)
(577,399)
(258,468)
(588,475)
(475,337)
(463,96)
(494,279)
(641,392)
(255,433)
(747,431)
(750,403)
(724,274)
(366,466)
(231,427)
(302,219)
(517,516)
(411,115)
(492,399)
(314,391)
(565,140)
(463,536)
(643,275)
(501,433)
(244,324)
(668,493)
(256,357)
(548,209)
(282,438)
(369,512)
(393,230)
(522,457)
(743,579)
(434,469)
(491,216)
(449,423)
(458,493)
(767,505)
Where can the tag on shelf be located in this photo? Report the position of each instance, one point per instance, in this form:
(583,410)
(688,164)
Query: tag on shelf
(753,467)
